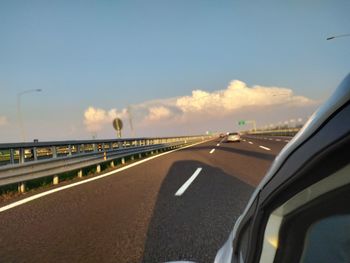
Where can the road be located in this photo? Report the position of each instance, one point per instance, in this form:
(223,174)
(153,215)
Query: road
(134,214)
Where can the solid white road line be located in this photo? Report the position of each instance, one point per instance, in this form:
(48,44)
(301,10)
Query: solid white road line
(243,140)
(278,140)
(213,150)
(286,141)
(250,142)
(265,148)
(183,188)
(270,139)
(37,196)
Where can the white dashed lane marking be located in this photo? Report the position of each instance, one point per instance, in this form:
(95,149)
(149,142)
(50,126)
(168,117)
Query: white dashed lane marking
(265,148)
(184,187)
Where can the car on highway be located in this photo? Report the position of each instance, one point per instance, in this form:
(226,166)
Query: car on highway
(233,137)
(222,135)
(300,211)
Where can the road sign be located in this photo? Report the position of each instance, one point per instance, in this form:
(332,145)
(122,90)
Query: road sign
(241,122)
(118,126)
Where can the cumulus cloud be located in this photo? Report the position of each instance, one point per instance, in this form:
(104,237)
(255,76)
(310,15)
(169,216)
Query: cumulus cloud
(3,120)
(158,113)
(200,106)
(95,118)
(237,96)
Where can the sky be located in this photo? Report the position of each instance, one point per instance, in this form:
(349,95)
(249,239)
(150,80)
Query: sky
(176,67)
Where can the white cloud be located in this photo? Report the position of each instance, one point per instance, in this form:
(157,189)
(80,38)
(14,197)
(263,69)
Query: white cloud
(3,120)
(95,118)
(201,106)
(158,113)
(237,96)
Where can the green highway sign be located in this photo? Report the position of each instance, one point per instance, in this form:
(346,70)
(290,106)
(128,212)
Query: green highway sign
(241,122)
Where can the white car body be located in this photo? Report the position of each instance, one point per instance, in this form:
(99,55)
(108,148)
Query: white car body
(233,137)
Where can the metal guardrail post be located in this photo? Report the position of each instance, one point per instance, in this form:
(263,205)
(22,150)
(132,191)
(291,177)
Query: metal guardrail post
(55,180)
(54,151)
(12,156)
(21,155)
(21,187)
(35,154)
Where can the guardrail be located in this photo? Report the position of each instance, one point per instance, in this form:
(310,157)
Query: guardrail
(22,162)
(285,132)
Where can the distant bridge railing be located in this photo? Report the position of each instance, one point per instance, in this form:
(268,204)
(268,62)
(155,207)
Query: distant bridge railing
(282,132)
(22,162)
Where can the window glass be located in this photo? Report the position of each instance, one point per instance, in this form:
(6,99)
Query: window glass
(328,240)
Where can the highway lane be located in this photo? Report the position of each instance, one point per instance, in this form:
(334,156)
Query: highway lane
(247,162)
(135,216)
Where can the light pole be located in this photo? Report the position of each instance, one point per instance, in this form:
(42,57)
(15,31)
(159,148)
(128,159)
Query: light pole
(130,117)
(338,36)
(19,113)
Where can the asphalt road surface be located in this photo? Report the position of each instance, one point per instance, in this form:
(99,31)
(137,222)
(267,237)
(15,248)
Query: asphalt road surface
(179,206)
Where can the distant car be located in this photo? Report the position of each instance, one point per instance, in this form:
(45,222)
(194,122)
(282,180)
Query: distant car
(222,135)
(300,211)
(233,137)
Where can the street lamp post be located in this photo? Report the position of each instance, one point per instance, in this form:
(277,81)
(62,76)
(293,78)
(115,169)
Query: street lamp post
(338,36)
(130,117)
(19,113)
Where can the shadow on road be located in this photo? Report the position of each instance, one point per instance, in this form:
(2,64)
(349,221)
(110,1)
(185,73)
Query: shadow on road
(195,225)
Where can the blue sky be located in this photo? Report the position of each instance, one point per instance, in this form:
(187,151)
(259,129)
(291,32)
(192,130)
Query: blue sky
(111,54)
